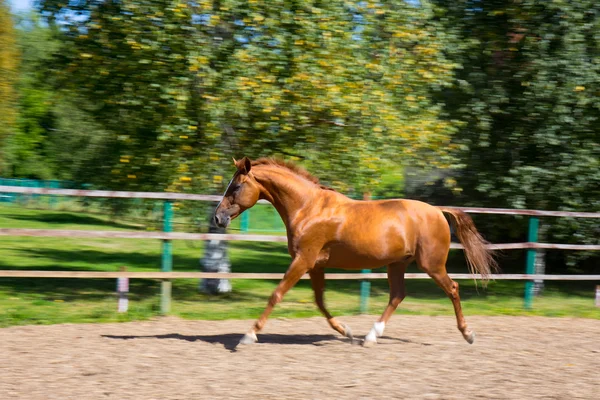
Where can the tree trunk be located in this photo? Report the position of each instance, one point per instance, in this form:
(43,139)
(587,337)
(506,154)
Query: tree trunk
(215,259)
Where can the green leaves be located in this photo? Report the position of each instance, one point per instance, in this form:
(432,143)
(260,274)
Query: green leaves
(528,94)
(343,86)
(9,62)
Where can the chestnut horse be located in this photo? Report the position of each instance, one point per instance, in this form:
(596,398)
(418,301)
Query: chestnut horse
(328,229)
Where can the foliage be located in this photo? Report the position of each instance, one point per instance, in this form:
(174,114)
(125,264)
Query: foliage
(52,138)
(527,93)
(183,86)
(9,63)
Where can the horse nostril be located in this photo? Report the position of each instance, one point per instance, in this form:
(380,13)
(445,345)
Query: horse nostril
(217,220)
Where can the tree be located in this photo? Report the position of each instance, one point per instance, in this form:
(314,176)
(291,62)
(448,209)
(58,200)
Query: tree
(9,64)
(52,138)
(182,86)
(527,94)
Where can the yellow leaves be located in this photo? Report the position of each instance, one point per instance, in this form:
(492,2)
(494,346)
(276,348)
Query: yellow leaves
(182,168)
(579,88)
(185,179)
(86,55)
(267,79)
(217,179)
(401,34)
(131,176)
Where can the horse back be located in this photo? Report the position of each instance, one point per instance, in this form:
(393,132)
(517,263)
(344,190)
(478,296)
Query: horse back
(368,234)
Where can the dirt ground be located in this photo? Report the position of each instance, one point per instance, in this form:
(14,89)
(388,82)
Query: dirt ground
(419,357)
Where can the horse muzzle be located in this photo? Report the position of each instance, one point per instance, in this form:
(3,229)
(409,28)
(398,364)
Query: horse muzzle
(222,220)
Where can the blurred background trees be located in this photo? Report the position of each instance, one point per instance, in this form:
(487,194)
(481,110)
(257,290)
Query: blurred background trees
(463,102)
(183,86)
(9,63)
(527,93)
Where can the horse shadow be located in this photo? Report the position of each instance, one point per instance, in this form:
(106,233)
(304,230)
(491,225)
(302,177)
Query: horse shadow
(231,340)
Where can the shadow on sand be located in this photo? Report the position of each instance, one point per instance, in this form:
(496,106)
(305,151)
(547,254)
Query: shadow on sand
(230,340)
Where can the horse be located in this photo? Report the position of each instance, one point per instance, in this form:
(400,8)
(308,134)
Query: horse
(327,229)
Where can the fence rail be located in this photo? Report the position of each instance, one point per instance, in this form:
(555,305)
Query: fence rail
(276,276)
(166,236)
(245,237)
(215,198)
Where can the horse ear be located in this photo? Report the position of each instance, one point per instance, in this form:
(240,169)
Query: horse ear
(244,165)
(234,161)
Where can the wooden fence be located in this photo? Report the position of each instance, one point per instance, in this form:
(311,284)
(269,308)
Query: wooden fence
(167,235)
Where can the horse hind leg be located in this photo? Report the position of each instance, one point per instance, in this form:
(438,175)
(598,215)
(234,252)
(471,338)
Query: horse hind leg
(438,273)
(317,279)
(397,294)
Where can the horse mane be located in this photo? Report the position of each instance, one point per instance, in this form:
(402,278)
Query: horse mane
(292,167)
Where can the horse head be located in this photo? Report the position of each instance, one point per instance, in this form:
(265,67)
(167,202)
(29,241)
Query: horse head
(242,193)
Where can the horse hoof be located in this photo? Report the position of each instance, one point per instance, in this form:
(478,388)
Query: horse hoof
(249,338)
(470,337)
(369,343)
(348,332)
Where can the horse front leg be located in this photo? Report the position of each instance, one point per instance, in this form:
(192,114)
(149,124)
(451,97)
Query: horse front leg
(299,266)
(317,279)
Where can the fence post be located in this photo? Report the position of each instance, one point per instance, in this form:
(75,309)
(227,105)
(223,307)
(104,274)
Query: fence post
(365,289)
(122,290)
(365,285)
(532,236)
(167,259)
(245,222)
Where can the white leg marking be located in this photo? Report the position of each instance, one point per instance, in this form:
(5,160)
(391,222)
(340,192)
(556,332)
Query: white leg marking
(376,331)
(249,338)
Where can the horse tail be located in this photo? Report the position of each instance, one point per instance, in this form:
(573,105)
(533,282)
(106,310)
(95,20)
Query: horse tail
(480,259)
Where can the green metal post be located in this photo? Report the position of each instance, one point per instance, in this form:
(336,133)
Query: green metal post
(245,222)
(532,236)
(167,259)
(365,289)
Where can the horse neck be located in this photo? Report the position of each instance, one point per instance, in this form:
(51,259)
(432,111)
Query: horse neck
(287,191)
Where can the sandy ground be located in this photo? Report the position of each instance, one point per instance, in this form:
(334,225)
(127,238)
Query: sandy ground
(419,357)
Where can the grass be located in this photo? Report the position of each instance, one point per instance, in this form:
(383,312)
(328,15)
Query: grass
(48,301)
